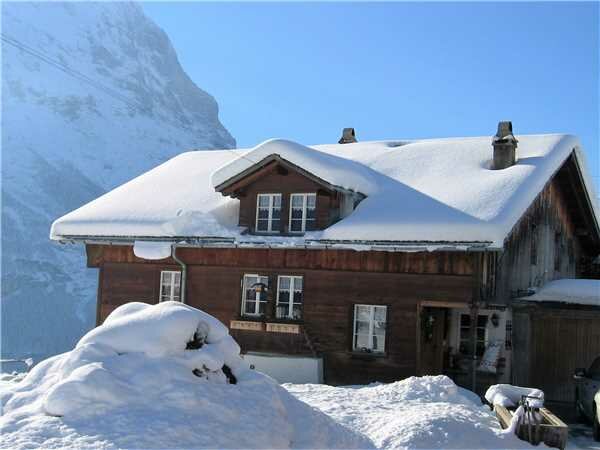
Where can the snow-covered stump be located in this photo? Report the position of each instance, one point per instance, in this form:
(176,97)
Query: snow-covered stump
(160,376)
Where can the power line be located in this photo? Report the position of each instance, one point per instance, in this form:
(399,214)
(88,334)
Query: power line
(96,84)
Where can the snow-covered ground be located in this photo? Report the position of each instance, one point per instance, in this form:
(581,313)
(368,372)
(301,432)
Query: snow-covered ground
(132,383)
(419,412)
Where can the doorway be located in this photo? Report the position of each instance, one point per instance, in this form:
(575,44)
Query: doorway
(433,339)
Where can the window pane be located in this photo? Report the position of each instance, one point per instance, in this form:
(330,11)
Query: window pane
(380,313)
(378,343)
(311,214)
(262,308)
(297,312)
(276,214)
(262,225)
(177,278)
(362,327)
(166,277)
(176,292)
(263,201)
(297,296)
(249,307)
(298,283)
(297,201)
(311,201)
(284,282)
(363,313)
(277,201)
(282,311)
(465,320)
(379,328)
(276,225)
(296,225)
(361,341)
(263,213)
(296,213)
(481,321)
(284,297)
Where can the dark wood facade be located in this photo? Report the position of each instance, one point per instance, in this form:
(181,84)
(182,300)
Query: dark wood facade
(555,238)
(334,282)
(281,177)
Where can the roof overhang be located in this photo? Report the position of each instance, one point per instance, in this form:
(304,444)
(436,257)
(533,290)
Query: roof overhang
(308,244)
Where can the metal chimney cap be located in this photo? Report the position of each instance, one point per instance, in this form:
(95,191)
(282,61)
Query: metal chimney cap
(505,132)
(348,136)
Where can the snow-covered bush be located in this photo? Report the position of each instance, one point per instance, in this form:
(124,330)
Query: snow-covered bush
(135,382)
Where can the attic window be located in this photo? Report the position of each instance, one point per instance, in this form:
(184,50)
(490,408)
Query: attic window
(302,212)
(268,213)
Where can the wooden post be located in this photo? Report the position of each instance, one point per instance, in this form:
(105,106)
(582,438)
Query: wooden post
(474,312)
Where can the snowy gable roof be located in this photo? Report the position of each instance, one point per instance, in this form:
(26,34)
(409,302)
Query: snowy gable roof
(434,191)
(337,171)
(573,291)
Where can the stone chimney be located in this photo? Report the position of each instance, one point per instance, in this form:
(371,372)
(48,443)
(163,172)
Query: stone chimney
(348,136)
(505,146)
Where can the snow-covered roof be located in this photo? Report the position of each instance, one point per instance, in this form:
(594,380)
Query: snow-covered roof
(421,191)
(567,290)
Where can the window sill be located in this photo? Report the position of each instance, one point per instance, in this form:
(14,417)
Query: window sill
(366,356)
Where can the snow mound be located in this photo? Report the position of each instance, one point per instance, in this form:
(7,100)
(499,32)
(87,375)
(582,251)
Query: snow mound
(420,412)
(159,376)
(568,290)
(509,396)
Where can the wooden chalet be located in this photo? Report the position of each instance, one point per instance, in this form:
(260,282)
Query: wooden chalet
(353,262)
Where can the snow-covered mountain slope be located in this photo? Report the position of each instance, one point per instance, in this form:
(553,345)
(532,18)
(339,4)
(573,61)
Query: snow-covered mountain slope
(92,95)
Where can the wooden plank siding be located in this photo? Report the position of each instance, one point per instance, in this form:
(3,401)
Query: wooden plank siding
(551,222)
(557,340)
(334,281)
(286,182)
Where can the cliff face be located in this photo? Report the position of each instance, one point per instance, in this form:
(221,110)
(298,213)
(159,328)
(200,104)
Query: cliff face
(92,95)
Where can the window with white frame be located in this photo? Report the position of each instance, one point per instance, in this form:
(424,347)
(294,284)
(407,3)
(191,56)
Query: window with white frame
(170,285)
(465,334)
(369,328)
(302,212)
(289,297)
(268,213)
(254,295)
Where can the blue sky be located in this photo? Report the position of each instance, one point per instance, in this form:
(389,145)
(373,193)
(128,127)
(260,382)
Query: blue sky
(304,71)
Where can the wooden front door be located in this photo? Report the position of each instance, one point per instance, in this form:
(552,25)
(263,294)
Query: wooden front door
(433,330)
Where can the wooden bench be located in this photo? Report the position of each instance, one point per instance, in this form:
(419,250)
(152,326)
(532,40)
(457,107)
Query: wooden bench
(551,431)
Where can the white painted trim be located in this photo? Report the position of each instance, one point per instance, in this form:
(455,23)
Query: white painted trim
(371,326)
(271,197)
(256,312)
(304,210)
(290,304)
(171,296)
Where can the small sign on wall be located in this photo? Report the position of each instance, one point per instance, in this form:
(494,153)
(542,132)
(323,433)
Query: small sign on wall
(283,328)
(246,325)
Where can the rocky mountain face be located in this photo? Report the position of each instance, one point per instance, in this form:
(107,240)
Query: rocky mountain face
(92,96)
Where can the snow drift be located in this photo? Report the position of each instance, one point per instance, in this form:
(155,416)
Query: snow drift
(419,412)
(160,376)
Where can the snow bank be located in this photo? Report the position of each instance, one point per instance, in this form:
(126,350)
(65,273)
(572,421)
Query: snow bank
(510,396)
(575,291)
(419,412)
(138,382)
